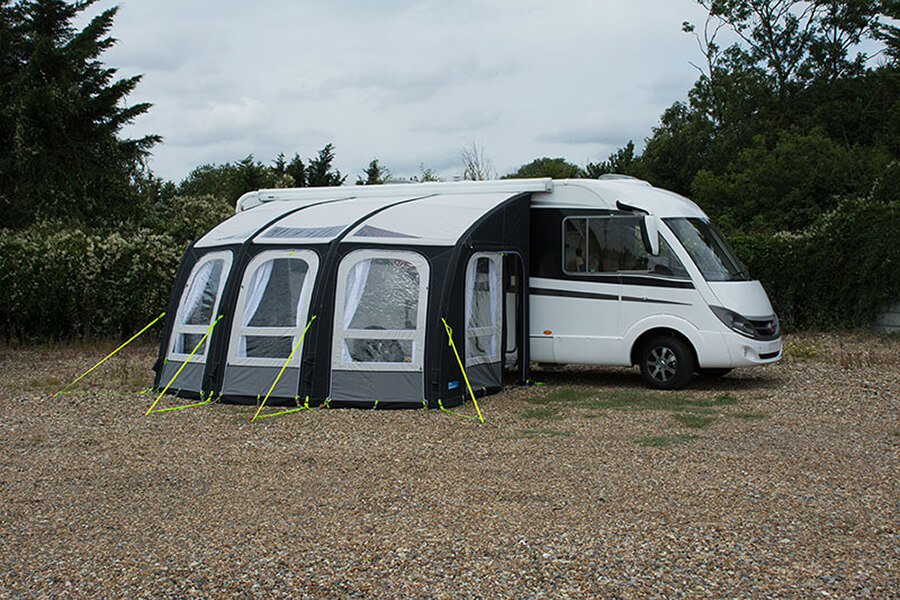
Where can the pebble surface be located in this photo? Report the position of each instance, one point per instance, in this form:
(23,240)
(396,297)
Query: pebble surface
(793,491)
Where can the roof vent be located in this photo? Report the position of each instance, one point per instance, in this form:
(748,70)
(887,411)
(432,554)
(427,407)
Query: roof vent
(619,177)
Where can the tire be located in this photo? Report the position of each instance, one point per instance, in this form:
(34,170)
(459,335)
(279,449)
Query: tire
(713,373)
(666,363)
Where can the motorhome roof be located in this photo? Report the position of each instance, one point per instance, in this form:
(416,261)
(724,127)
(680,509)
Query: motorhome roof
(606,193)
(500,186)
(603,193)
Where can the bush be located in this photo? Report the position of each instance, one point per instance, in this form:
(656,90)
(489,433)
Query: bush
(838,273)
(58,283)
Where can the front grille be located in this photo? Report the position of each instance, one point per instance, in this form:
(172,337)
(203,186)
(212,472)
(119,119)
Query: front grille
(766,330)
(768,355)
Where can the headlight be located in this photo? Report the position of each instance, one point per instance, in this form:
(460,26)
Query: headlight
(736,322)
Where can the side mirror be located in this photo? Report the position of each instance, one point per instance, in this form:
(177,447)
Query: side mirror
(650,230)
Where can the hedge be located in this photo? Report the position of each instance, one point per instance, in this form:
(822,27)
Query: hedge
(71,283)
(838,274)
(59,283)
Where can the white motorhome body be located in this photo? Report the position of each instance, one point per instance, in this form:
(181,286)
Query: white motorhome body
(621,273)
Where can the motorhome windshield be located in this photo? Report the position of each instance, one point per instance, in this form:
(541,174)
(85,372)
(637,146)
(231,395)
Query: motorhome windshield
(708,249)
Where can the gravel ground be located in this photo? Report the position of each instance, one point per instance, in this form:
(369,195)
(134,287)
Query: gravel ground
(790,490)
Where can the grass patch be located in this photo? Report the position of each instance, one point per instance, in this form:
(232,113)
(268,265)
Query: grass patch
(693,420)
(542,412)
(563,395)
(748,415)
(531,433)
(660,441)
(49,384)
(631,399)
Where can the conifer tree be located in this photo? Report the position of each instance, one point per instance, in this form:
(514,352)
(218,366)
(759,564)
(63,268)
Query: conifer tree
(61,112)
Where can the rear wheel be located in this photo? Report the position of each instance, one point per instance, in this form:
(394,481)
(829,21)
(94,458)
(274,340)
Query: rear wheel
(666,363)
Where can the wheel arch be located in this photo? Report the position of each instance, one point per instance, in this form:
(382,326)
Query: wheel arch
(638,344)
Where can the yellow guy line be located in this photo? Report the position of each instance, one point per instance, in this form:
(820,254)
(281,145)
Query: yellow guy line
(208,329)
(461,368)
(203,403)
(131,339)
(441,406)
(290,356)
(291,410)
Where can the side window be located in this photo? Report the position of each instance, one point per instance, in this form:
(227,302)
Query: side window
(199,304)
(273,306)
(483,309)
(380,310)
(666,263)
(615,244)
(575,246)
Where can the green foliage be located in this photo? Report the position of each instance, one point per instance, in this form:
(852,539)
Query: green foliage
(887,31)
(557,168)
(229,181)
(375,174)
(858,241)
(62,282)
(185,218)
(320,173)
(784,122)
(61,110)
(622,162)
(787,186)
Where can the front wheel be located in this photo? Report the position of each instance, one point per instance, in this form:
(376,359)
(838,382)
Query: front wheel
(666,363)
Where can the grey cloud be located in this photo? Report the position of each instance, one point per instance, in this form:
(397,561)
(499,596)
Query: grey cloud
(612,135)
(415,85)
(458,123)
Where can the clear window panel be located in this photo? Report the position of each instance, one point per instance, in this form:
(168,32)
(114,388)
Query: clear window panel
(388,298)
(264,346)
(201,297)
(274,293)
(186,342)
(482,345)
(378,350)
(483,313)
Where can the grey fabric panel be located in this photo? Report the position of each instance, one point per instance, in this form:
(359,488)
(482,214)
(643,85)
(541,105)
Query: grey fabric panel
(253,381)
(485,376)
(384,386)
(190,378)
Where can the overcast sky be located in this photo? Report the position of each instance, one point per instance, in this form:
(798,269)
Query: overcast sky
(409,82)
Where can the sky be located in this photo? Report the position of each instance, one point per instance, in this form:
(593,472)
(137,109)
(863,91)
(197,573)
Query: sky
(408,82)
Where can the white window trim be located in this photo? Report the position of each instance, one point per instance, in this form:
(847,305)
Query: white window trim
(497,329)
(180,328)
(417,335)
(237,330)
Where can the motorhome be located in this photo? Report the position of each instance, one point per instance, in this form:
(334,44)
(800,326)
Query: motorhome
(626,274)
(353,295)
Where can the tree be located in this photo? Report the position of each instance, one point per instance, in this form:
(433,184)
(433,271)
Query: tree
(374,174)
(426,174)
(296,170)
(319,171)
(61,111)
(758,141)
(476,165)
(889,33)
(557,168)
(622,161)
